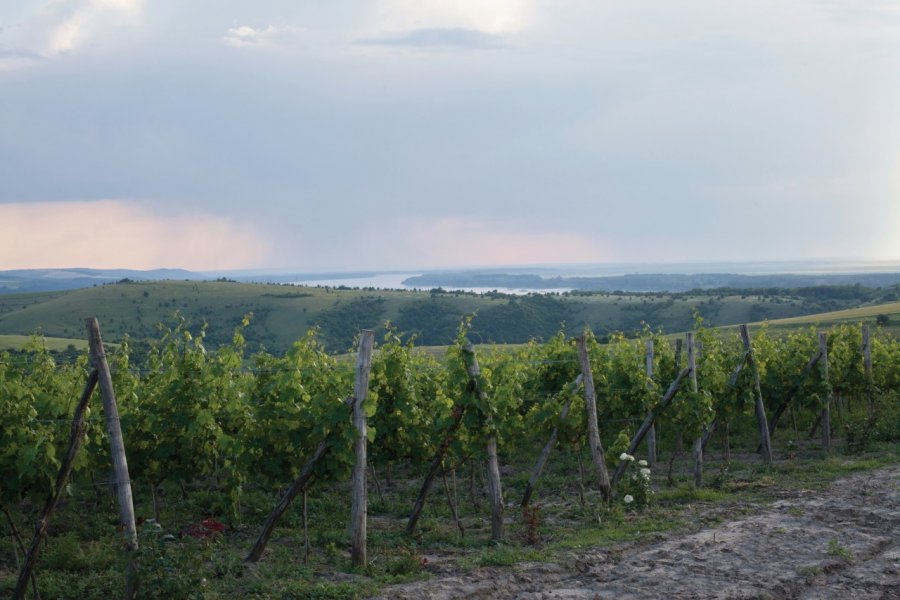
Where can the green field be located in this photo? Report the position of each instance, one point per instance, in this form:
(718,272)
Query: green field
(18,342)
(283,313)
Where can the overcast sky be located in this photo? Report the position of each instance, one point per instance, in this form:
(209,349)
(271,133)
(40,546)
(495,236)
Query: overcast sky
(376,134)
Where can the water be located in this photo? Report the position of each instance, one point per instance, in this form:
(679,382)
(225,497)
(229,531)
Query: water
(393,280)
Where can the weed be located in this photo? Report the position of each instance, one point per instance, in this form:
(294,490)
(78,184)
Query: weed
(836,549)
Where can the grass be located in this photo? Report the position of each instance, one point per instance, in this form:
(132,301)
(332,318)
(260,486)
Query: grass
(17,342)
(82,558)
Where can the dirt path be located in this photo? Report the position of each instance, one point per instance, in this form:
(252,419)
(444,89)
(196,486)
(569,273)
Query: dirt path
(841,543)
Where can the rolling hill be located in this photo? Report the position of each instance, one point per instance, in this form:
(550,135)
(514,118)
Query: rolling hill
(283,313)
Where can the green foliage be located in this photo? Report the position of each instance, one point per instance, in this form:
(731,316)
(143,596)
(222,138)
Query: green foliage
(168,567)
(236,428)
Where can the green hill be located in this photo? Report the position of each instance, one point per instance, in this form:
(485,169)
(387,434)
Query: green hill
(283,313)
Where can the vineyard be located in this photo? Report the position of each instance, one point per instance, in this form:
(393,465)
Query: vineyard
(486,456)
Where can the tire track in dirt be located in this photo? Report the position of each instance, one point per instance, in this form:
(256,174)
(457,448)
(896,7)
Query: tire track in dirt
(840,542)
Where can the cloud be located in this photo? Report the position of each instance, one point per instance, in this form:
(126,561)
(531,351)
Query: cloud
(497,17)
(120,234)
(446,23)
(439,38)
(65,26)
(246,36)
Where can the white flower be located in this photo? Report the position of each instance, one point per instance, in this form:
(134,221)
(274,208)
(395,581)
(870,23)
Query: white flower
(642,463)
(645,472)
(628,498)
(623,456)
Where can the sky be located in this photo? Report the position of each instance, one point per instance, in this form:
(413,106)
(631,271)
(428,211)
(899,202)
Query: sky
(414,134)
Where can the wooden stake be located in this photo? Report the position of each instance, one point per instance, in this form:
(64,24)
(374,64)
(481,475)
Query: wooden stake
(358,511)
(651,433)
(545,453)
(765,441)
(867,366)
(698,443)
(773,421)
(826,411)
(452,504)
(19,546)
(114,427)
(495,489)
(377,484)
(593,428)
(456,419)
(297,486)
(648,422)
(76,437)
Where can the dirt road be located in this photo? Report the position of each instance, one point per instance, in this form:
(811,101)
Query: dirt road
(842,542)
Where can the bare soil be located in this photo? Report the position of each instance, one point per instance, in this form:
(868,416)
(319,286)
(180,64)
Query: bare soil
(842,542)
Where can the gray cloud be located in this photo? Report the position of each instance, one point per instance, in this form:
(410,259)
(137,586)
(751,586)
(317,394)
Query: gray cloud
(734,132)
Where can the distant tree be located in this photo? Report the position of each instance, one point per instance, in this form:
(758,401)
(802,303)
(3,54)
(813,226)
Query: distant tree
(882,320)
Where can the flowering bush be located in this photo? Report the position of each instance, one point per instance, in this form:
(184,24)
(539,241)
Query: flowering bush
(636,490)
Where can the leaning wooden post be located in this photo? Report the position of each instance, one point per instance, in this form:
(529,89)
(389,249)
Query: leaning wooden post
(116,447)
(651,433)
(867,365)
(648,422)
(773,421)
(545,453)
(826,411)
(593,428)
(436,462)
(76,437)
(299,485)
(765,441)
(493,465)
(360,495)
(698,443)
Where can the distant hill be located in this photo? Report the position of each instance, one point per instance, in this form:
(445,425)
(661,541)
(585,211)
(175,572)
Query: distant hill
(51,280)
(283,313)
(652,282)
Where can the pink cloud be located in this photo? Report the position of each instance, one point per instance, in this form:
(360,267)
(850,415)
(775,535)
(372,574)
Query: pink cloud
(120,234)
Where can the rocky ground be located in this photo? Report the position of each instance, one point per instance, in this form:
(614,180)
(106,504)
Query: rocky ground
(842,542)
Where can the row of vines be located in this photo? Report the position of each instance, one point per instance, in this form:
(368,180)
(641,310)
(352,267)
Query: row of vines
(190,414)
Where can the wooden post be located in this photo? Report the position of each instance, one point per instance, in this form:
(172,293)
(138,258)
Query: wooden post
(297,486)
(648,422)
(773,421)
(826,411)
(456,419)
(76,437)
(495,490)
(765,441)
(358,510)
(698,443)
(679,443)
(867,365)
(593,427)
(545,453)
(651,434)
(116,448)
(452,503)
